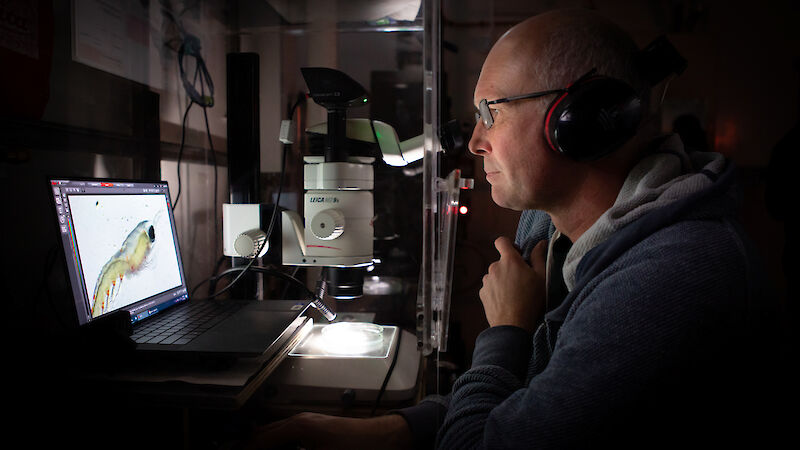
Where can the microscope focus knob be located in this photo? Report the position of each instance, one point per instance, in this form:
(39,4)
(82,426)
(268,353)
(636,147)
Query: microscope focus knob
(328,224)
(250,243)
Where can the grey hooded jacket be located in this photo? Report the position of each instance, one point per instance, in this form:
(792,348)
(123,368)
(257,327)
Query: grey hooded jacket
(656,342)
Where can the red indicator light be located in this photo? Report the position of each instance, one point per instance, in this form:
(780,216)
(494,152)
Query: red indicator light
(106,184)
(463,209)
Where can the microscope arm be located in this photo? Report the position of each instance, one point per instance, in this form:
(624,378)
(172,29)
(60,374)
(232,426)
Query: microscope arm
(395,152)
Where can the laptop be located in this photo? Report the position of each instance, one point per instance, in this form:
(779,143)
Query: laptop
(123,260)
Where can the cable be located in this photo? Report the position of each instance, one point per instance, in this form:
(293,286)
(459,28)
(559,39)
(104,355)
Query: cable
(180,154)
(275,208)
(238,277)
(214,162)
(268,234)
(388,373)
(213,284)
(285,292)
(316,300)
(212,280)
(260,269)
(190,46)
(285,276)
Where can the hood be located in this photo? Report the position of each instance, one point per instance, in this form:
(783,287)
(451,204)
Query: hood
(665,186)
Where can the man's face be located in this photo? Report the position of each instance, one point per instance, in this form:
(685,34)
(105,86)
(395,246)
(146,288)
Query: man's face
(524,173)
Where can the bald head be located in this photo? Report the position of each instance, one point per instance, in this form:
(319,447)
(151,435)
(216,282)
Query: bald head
(553,49)
(547,52)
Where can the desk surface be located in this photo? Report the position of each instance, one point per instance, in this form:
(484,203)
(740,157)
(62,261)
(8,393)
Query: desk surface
(192,381)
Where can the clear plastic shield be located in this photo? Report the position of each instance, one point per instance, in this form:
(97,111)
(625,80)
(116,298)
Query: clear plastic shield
(440,202)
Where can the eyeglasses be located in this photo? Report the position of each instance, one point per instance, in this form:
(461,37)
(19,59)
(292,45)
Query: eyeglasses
(485,114)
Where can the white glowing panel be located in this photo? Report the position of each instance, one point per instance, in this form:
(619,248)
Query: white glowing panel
(347,340)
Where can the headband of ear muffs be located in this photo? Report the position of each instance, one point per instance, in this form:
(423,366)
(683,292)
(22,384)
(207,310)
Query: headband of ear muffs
(592,117)
(596,114)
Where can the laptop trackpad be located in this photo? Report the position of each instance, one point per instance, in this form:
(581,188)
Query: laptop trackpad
(248,332)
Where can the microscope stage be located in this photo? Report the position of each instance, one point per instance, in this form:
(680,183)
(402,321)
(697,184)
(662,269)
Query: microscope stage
(326,364)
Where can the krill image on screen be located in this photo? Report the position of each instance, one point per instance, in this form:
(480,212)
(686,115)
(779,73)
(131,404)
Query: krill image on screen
(125,245)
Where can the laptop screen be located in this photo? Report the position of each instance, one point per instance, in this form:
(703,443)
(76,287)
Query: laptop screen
(121,246)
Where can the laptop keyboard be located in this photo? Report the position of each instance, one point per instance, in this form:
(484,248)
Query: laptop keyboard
(184,324)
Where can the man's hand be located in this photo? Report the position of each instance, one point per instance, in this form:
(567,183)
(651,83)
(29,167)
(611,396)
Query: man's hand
(513,292)
(318,431)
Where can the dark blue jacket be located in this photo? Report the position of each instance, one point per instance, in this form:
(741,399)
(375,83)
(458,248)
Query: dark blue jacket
(665,337)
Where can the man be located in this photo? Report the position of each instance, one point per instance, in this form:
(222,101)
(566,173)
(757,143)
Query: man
(628,316)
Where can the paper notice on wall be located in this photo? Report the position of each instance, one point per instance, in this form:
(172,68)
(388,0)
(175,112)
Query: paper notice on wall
(19,27)
(115,37)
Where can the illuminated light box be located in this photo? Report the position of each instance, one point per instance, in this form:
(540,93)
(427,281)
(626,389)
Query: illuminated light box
(348,357)
(347,340)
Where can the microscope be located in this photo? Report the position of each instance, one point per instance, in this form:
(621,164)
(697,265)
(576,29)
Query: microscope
(341,362)
(336,230)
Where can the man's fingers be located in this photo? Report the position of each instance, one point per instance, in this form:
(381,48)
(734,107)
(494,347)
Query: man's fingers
(505,247)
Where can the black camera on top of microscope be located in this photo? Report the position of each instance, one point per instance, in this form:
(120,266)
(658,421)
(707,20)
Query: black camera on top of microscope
(333,89)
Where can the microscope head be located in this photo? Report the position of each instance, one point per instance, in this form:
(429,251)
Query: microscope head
(337,233)
(333,89)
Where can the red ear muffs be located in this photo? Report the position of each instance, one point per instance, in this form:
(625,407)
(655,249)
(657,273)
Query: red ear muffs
(592,118)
